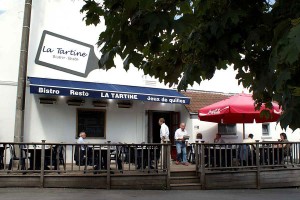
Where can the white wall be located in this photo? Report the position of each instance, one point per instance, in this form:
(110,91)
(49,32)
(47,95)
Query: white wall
(7,110)
(11,21)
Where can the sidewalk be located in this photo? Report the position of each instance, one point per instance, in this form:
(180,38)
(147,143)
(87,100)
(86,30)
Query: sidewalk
(89,194)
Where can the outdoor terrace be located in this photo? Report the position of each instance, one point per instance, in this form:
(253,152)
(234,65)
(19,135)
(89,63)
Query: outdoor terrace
(139,166)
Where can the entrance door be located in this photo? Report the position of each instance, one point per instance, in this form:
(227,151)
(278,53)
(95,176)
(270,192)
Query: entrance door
(172,120)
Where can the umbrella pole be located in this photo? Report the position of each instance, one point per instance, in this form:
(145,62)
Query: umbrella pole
(243,131)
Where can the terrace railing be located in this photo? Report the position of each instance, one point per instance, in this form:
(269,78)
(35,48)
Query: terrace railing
(130,159)
(256,156)
(62,158)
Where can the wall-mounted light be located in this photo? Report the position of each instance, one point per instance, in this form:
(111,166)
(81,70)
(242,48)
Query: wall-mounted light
(124,104)
(44,100)
(75,102)
(99,103)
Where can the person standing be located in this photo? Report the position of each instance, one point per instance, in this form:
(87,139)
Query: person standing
(249,139)
(246,151)
(181,145)
(164,136)
(164,130)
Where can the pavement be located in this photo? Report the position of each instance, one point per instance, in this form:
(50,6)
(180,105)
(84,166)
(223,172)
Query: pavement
(100,194)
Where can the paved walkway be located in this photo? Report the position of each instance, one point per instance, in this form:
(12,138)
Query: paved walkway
(91,194)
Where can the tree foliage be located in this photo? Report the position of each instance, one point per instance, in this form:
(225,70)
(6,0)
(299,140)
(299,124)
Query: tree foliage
(185,41)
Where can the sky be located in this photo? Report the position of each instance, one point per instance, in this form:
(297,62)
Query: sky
(223,81)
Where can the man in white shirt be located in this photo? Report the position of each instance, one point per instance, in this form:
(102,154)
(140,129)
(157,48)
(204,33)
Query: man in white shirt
(249,139)
(80,151)
(164,136)
(80,140)
(164,130)
(181,145)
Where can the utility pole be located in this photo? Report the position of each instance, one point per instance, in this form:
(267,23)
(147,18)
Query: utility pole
(21,89)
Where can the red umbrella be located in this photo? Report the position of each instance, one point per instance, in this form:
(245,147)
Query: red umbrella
(237,109)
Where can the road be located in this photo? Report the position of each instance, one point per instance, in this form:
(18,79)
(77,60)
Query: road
(91,194)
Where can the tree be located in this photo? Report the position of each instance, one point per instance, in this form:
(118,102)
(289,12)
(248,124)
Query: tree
(182,42)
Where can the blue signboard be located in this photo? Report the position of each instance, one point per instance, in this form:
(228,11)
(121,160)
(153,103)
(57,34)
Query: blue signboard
(104,91)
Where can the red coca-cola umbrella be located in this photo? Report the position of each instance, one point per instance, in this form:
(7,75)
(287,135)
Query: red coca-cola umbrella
(237,109)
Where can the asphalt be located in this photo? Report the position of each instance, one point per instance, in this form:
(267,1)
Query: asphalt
(91,194)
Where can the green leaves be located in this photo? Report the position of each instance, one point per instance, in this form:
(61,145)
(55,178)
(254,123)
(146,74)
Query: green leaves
(93,12)
(134,58)
(185,7)
(186,41)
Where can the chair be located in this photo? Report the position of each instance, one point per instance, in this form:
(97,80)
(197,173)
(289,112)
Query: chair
(119,156)
(246,155)
(49,157)
(60,149)
(79,155)
(288,154)
(59,158)
(191,154)
(13,157)
(56,158)
(1,157)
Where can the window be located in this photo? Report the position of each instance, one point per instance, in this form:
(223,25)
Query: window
(92,122)
(227,129)
(265,129)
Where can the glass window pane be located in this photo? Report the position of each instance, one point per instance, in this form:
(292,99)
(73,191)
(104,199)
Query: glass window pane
(92,122)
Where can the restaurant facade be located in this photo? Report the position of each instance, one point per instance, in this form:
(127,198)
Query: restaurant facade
(66,93)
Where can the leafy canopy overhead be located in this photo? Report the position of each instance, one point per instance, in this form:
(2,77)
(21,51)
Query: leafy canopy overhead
(182,40)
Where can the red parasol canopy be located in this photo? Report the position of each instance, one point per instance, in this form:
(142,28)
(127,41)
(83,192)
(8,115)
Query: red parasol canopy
(237,109)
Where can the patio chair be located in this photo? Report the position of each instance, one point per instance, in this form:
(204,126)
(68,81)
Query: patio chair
(79,155)
(57,157)
(246,155)
(191,154)
(2,157)
(288,154)
(13,157)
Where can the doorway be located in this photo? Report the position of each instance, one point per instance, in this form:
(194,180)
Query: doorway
(172,120)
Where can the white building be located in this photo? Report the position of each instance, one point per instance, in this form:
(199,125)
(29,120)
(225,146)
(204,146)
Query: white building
(60,70)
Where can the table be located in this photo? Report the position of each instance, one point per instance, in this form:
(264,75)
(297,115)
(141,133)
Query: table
(144,156)
(97,156)
(35,156)
(271,155)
